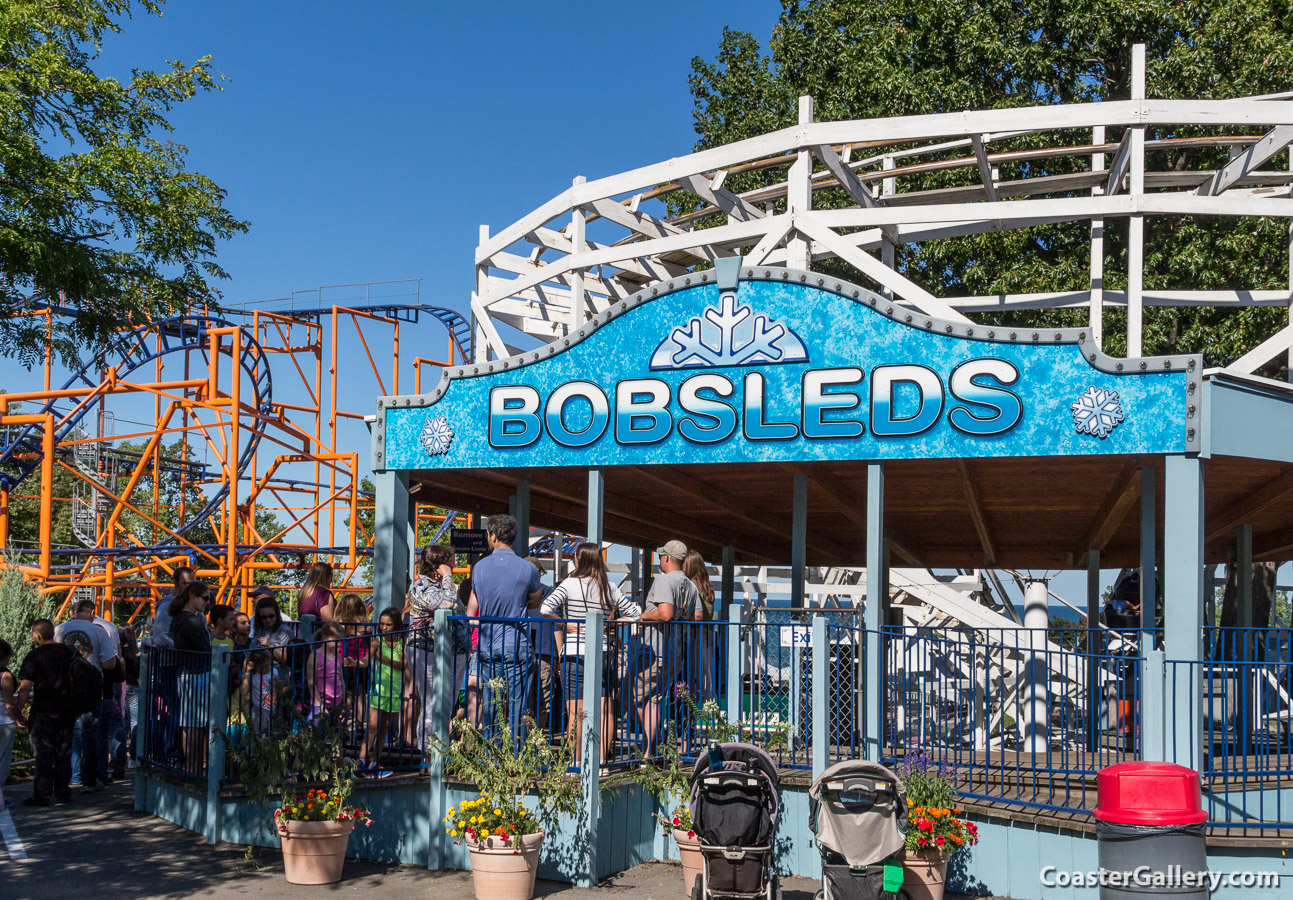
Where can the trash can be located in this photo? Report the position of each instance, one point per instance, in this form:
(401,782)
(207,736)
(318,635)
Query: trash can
(1149,824)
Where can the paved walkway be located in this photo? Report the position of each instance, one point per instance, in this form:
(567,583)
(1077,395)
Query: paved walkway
(99,848)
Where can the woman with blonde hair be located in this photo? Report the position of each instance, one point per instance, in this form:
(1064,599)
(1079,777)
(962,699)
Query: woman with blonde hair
(315,596)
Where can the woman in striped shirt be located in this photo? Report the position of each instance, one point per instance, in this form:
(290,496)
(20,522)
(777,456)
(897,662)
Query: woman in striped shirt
(588,588)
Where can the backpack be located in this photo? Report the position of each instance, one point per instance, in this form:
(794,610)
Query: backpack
(84,685)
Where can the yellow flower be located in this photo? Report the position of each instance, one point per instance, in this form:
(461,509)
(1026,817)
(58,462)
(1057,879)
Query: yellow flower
(484,832)
(498,812)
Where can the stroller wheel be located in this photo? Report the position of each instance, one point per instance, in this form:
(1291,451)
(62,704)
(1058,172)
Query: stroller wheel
(774,888)
(697,890)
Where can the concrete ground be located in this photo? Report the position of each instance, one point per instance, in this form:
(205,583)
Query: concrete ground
(99,848)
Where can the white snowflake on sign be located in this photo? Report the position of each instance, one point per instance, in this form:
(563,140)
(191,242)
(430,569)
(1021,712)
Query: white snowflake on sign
(1097,412)
(729,335)
(437,435)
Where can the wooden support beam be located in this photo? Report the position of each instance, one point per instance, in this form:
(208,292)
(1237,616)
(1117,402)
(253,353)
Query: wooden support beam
(649,226)
(675,480)
(852,507)
(976,512)
(849,181)
(734,206)
(1221,524)
(1275,140)
(1113,511)
(985,167)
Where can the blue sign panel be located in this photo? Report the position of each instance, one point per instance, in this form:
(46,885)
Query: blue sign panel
(785,369)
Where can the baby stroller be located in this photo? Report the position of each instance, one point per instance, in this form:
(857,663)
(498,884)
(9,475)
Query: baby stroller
(734,806)
(858,812)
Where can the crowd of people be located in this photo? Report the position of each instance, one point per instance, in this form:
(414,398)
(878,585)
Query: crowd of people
(515,644)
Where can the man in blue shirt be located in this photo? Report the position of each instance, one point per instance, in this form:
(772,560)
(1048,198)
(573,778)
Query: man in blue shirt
(504,586)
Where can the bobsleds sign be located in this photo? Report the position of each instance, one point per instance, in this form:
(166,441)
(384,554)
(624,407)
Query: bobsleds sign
(784,368)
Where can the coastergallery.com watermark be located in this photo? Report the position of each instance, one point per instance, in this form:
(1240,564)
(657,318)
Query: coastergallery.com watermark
(1148,877)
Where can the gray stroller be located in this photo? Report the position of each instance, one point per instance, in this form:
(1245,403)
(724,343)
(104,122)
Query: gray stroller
(858,813)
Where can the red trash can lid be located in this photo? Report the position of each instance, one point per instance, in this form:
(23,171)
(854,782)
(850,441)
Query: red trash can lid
(1149,793)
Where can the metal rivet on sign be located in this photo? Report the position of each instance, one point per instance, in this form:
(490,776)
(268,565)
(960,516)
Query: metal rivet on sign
(992,334)
(1119,367)
(1034,335)
(906,318)
(803,277)
(1012,335)
(821,281)
(969,332)
(1144,365)
(1092,357)
(1167,364)
(949,329)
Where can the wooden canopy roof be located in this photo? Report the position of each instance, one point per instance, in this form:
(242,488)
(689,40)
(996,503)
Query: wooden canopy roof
(1037,512)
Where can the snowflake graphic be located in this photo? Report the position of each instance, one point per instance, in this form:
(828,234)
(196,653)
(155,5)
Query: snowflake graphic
(436,436)
(729,335)
(1097,412)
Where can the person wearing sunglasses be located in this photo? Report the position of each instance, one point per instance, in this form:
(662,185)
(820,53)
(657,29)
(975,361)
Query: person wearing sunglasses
(269,631)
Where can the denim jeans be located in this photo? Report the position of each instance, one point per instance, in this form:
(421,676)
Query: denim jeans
(514,670)
(109,722)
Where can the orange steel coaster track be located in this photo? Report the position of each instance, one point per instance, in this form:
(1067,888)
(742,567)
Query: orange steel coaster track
(281,491)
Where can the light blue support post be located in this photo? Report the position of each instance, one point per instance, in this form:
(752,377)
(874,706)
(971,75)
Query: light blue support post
(596,504)
(1151,713)
(1148,551)
(305,628)
(442,692)
(1095,689)
(821,650)
(591,755)
(145,722)
(798,539)
(728,576)
(522,543)
(217,715)
(873,684)
(1183,606)
(391,544)
(1245,646)
(734,663)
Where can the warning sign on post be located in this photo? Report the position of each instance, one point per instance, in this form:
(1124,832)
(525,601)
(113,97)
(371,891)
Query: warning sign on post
(468,540)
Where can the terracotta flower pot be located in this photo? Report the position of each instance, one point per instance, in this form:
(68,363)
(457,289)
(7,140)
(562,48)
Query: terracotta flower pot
(689,854)
(924,873)
(314,852)
(505,871)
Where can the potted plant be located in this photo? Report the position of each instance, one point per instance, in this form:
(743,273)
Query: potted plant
(669,781)
(934,828)
(315,828)
(503,832)
(278,763)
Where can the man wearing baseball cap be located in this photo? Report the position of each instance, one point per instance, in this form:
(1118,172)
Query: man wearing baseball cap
(672,596)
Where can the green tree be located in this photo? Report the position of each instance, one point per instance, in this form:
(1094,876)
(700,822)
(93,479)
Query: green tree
(94,201)
(861,59)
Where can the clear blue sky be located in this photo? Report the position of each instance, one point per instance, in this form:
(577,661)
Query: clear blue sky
(367,142)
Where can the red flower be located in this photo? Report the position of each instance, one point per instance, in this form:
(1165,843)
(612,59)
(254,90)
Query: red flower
(677,821)
(925,825)
(940,840)
(921,842)
(691,834)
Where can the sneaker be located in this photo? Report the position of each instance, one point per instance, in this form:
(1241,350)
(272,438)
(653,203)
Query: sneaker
(380,772)
(34,801)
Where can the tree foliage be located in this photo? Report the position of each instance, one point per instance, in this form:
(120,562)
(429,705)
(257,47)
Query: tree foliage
(861,59)
(95,202)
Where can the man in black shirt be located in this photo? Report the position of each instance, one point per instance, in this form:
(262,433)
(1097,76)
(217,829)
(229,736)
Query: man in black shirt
(43,680)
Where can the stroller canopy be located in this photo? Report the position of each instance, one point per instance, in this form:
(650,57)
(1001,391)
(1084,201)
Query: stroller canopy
(858,809)
(736,802)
